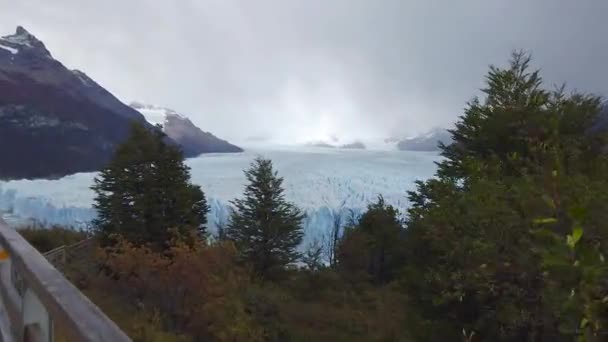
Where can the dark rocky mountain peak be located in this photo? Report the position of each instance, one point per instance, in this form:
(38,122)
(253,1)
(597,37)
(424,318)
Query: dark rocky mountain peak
(23,42)
(62,120)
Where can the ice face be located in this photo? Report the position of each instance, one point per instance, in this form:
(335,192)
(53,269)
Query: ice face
(322,182)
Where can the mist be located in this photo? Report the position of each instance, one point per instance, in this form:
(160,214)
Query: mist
(292,71)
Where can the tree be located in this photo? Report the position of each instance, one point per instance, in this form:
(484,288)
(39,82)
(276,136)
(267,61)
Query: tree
(374,245)
(145,192)
(331,238)
(313,256)
(520,154)
(504,123)
(264,226)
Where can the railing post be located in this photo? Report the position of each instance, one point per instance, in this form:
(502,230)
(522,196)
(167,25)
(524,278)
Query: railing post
(37,324)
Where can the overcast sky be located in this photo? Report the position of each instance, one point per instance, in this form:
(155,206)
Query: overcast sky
(306,69)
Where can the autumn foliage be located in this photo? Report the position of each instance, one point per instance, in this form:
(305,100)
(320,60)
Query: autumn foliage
(196,289)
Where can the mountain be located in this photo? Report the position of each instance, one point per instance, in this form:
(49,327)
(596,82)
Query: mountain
(320,143)
(427,142)
(357,145)
(192,139)
(53,121)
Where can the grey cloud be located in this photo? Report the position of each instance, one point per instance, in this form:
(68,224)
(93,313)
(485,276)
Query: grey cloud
(305,69)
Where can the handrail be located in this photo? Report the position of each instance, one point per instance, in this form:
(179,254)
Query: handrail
(58,256)
(64,247)
(35,295)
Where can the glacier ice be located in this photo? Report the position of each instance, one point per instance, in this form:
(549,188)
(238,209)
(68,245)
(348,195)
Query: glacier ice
(323,182)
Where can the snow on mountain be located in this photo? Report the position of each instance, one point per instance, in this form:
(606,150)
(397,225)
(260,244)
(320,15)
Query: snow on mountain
(9,48)
(192,139)
(21,37)
(426,142)
(323,182)
(23,41)
(154,114)
(62,120)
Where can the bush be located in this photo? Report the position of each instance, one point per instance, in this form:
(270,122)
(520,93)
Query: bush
(45,239)
(197,290)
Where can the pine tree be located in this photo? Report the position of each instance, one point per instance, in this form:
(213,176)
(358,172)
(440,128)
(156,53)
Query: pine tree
(145,194)
(373,246)
(264,226)
(504,123)
(519,154)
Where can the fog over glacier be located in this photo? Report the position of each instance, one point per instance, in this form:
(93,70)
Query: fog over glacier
(323,182)
(298,70)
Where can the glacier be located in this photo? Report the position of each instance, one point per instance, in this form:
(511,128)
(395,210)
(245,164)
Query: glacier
(325,183)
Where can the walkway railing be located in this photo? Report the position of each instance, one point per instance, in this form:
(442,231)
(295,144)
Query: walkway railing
(38,304)
(78,252)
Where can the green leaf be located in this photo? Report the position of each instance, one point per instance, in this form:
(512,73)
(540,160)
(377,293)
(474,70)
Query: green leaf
(584,322)
(577,233)
(570,241)
(546,220)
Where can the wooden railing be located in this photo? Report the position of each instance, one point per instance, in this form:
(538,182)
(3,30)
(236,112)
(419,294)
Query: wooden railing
(38,304)
(62,255)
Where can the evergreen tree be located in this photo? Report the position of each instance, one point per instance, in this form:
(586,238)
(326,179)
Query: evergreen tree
(264,226)
(520,156)
(145,194)
(313,256)
(373,246)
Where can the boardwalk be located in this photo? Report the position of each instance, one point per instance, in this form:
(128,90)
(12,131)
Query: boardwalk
(38,304)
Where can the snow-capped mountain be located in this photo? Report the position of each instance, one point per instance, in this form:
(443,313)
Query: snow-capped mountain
(426,142)
(22,42)
(59,119)
(178,127)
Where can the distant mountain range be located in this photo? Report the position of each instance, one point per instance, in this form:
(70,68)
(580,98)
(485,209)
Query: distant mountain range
(55,121)
(426,142)
(356,145)
(192,139)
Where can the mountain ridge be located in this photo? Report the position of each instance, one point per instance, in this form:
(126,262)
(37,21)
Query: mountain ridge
(193,140)
(427,142)
(55,121)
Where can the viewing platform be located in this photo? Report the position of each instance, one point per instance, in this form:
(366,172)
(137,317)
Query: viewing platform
(38,304)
